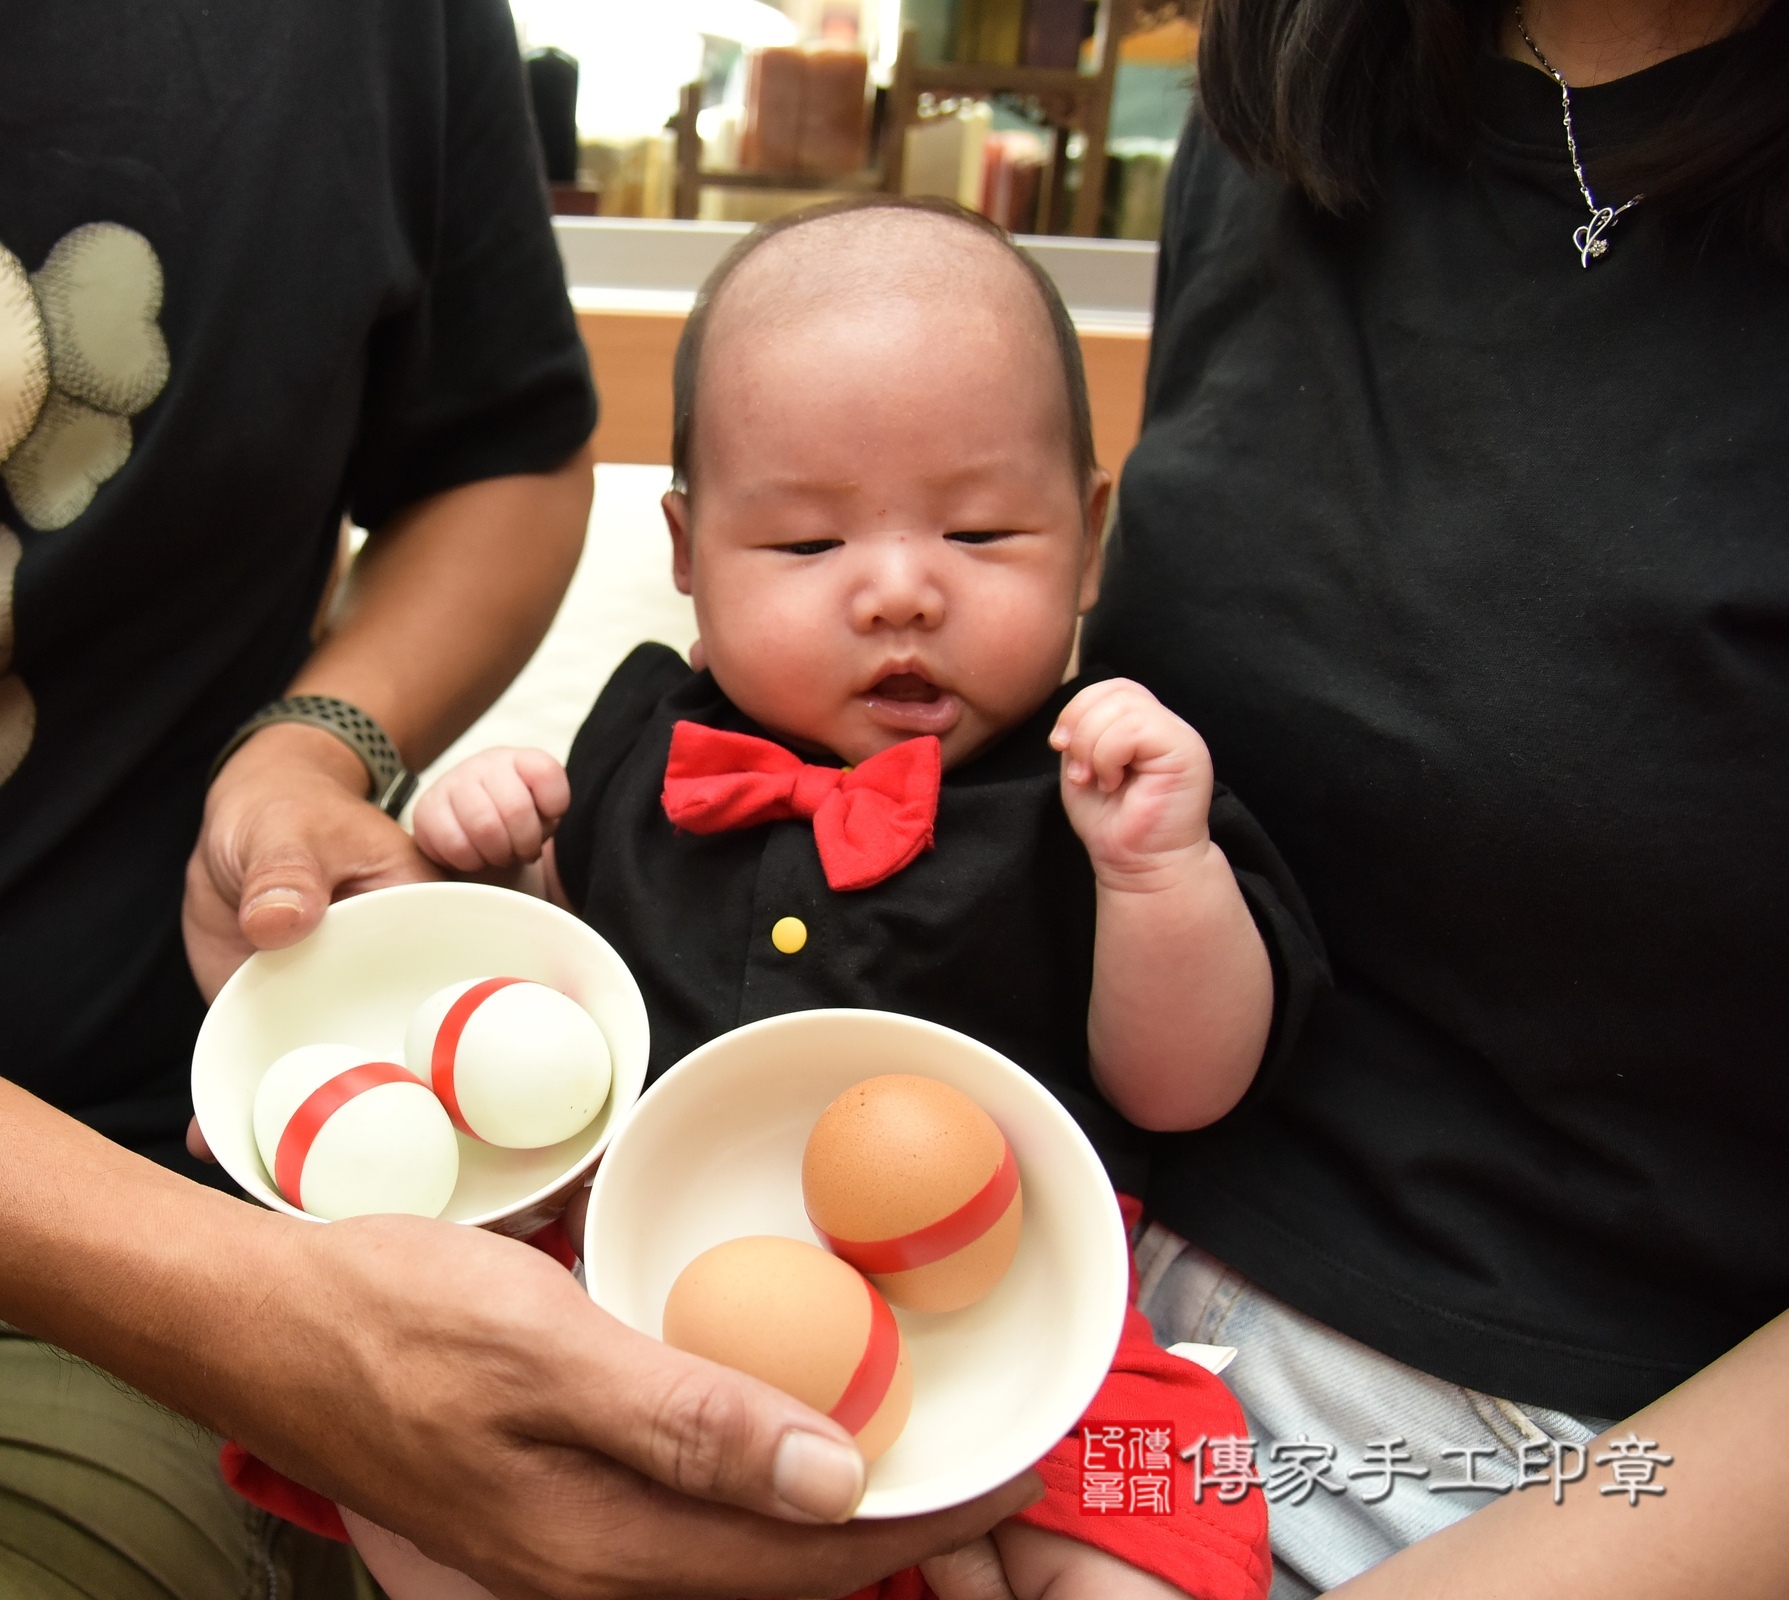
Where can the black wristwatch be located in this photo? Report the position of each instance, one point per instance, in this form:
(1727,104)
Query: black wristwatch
(393,782)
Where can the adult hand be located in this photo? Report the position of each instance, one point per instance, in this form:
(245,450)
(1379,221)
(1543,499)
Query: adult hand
(462,1390)
(287,829)
(437,614)
(453,1386)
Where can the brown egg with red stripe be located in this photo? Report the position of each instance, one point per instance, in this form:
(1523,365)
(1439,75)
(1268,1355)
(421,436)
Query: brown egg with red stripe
(914,1184)
(802,1320)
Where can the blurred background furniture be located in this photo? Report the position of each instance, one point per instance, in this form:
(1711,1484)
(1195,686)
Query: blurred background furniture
(1062,98)
(1050,116)
(808,124)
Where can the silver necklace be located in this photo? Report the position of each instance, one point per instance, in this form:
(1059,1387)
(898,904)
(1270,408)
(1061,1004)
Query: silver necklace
(1589,238)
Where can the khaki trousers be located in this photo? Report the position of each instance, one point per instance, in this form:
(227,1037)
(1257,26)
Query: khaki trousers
(105,1495)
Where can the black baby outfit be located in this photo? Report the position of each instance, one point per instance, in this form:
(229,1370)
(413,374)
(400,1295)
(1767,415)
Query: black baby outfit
(990,932)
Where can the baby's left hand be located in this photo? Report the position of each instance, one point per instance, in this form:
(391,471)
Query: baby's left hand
(494,809)
(1136,781)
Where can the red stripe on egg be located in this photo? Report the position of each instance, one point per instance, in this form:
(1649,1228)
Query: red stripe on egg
(447,1046)
(868,1387)
(317,1108)
(936,1240)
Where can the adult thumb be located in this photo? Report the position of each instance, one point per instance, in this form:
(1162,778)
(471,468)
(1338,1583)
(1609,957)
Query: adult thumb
(706,1430)
(285,892)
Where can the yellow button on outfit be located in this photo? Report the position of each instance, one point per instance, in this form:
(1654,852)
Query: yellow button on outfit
(789,934)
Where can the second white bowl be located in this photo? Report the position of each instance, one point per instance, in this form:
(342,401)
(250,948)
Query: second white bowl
(713,1152)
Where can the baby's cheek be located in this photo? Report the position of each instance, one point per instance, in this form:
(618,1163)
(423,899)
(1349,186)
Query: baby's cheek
(758,625)
(1021,654)
(784,679)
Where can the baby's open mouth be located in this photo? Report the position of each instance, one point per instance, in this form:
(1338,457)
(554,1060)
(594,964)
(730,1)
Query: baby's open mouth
(909,703)
(908,686)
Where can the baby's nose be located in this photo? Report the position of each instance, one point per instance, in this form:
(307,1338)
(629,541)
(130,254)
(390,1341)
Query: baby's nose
(900,591)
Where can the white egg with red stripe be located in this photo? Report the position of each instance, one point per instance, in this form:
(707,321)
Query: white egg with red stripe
(344,1135)
(516,1063)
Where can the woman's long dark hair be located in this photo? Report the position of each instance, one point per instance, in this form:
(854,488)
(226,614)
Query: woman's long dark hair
(1314,89)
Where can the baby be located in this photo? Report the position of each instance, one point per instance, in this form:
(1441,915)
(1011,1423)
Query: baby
(871,787)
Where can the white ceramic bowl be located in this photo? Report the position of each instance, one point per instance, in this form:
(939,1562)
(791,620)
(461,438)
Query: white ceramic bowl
(375,958)
(713,1152)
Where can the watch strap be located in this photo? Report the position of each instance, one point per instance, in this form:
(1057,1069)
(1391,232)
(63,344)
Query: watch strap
(393,782)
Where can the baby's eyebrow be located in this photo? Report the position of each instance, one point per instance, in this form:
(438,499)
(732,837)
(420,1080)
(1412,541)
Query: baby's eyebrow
(787,487)
(991,467)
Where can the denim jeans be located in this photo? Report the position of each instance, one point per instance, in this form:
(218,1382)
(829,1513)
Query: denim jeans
(1356,1451)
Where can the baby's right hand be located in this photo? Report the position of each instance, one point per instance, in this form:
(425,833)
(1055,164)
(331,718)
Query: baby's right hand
(495,809)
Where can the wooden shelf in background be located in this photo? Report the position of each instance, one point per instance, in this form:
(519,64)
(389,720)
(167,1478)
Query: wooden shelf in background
(574,200)
(693,178)
(971,79)
(1070,100)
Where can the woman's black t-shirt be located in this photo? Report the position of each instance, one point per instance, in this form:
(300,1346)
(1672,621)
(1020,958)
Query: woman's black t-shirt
(1472,564)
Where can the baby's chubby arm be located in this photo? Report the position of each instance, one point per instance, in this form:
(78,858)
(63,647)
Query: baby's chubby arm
(1182,984)
(496,809)
(1020,1562)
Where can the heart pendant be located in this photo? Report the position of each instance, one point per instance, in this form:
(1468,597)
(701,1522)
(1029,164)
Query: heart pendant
(1589,238)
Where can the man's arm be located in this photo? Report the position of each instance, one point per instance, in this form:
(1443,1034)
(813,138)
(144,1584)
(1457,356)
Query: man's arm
(1717,1530)
(444,606)
(454,1386)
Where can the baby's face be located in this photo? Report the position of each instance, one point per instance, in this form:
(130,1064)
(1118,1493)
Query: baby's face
(886,534)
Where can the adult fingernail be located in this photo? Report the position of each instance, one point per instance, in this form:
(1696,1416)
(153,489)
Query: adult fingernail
(275,899)
(817,1476)
(272,912)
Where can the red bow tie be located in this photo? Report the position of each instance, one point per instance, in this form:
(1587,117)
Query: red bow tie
(869,820)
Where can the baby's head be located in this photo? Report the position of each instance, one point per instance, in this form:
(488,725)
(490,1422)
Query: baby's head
(886,504)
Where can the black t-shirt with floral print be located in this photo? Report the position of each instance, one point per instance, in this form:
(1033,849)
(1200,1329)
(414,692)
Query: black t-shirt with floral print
(260,265)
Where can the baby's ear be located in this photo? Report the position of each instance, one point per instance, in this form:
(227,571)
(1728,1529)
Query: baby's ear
(1097,504)
(676,506)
